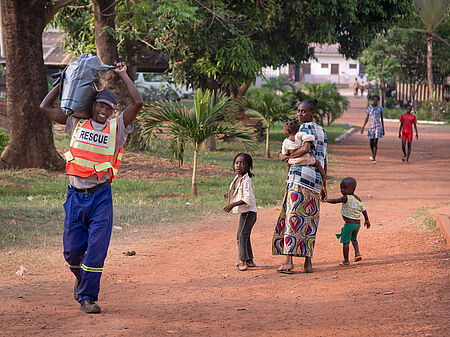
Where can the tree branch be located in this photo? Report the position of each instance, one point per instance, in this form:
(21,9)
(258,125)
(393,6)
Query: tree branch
(441,39)
(53,9)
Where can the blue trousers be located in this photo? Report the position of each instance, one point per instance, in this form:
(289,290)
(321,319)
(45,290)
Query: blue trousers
(87,232)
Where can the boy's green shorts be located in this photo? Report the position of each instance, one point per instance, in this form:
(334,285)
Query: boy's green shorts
(349,232)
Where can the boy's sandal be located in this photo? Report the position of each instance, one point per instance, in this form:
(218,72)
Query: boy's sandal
(342,264)
(283,270)
(358,258)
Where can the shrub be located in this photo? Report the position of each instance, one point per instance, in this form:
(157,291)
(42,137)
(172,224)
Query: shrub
(434,110)
(393,113)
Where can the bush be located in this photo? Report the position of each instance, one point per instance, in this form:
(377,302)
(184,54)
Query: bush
(4,139)
(390,102)
(164,92)
(393,113)
(433,110)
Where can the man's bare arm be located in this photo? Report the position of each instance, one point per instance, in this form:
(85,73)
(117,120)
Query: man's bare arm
(54,112)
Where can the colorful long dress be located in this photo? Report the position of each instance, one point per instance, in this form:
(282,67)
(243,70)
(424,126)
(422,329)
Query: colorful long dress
(296,228)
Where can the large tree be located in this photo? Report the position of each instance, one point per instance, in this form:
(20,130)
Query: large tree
(31,138)
(402,53)
(432,13)
(225,43)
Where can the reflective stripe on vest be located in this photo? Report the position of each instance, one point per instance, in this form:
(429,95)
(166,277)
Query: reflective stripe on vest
(91,151)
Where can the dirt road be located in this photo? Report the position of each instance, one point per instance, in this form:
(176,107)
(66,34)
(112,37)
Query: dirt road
(182,282)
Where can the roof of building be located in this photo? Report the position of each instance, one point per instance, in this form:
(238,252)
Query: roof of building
(56,56)
(326,49)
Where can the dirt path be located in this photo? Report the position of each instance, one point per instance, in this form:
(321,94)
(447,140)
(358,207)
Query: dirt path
(182,282)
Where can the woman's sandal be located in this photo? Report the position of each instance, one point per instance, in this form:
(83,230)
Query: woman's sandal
(357,258)
(342,264)
(283,270)
(251,264)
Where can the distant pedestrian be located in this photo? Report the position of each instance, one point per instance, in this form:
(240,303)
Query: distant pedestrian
(405,132)
(376,126)
(241,199)
(352,207)
(355,87)
(362,87)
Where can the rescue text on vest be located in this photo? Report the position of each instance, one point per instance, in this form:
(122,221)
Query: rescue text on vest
(93,137)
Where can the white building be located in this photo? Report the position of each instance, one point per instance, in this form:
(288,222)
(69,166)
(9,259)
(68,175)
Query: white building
(329,66)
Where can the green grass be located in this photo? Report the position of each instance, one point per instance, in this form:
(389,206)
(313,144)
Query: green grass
(425,218)
(141,203)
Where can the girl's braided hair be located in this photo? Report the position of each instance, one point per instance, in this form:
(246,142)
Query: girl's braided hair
(292,125)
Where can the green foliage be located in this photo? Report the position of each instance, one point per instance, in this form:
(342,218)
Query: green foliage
(430,110)
(278,84)
(2,70)
(434,110)
(194,127)
(4,140)
(267,104)
(432,12)
(223,44)
(402,52)
(394,113)
(379,61)
(164,92)
(78,24)
(331,104)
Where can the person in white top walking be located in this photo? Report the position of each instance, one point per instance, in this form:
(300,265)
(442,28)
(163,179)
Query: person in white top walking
(241,199)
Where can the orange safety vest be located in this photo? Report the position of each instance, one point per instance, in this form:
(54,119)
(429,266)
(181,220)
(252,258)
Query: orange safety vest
(92,152)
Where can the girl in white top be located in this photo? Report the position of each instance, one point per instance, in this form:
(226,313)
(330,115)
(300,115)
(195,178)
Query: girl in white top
(241,199)
(295,139)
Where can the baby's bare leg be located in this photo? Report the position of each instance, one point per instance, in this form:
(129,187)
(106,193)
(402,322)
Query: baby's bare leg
(321,170)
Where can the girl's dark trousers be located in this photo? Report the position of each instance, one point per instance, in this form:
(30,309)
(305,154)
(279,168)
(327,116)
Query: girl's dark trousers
(246,222)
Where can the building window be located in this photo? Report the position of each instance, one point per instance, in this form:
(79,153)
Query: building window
(362,69)
(324,65)
(352,65)
(306,68)
(335,69)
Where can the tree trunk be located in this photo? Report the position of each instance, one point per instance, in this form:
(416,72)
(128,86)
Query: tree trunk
(430,65)
(210,144)
(31,138)
(267,155)
(106,47)
(194,172)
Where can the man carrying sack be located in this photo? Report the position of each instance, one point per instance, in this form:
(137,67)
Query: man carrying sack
(92,162)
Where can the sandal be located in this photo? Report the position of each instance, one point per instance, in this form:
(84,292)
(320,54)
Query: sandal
(342,264)
(358,258)
(241,267)
(283,270)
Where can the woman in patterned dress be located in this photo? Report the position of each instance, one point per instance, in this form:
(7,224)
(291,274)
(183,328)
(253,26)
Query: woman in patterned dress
(376,126)
(296,228)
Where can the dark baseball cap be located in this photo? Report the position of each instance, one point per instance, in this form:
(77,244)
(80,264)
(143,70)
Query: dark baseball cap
(107,96)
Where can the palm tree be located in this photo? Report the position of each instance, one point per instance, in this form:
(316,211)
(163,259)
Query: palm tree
(432,12)
(192,126)
(269,106)
(331,104)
